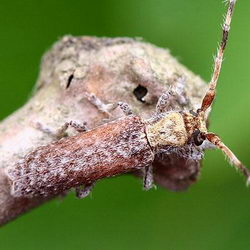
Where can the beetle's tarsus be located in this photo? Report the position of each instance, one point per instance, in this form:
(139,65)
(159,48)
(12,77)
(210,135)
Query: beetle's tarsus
(82,192)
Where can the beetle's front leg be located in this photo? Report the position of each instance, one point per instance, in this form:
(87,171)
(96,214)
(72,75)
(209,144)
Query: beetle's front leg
(173,99)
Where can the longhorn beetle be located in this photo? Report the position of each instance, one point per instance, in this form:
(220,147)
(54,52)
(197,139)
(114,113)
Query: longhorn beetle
(126,144)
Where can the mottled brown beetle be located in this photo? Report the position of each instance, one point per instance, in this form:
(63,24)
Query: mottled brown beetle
(126,144)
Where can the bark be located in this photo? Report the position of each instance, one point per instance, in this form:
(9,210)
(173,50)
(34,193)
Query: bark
(119,69)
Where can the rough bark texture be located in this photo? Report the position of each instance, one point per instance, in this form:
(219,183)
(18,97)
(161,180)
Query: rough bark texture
(119,69)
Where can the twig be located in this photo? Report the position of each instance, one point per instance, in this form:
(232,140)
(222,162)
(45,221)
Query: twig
(114,70)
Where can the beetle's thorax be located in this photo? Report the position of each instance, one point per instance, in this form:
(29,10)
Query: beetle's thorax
(173,128)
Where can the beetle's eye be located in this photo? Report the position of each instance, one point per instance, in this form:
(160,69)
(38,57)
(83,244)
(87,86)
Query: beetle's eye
(198,137)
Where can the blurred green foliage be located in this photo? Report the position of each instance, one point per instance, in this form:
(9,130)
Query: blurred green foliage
(215,212)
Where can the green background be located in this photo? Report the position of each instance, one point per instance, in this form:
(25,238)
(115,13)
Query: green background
(215,212)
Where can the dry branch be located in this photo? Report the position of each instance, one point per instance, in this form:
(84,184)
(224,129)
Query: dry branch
(114,70)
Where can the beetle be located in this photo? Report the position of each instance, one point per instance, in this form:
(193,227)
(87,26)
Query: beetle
(124,145)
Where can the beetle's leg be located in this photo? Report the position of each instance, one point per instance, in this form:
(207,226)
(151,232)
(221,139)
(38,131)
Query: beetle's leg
(148,178)
(41,127)
(107,108)
(123,106)
(77,126)
(82,192)
(61,131)
(173,99)
(92,98)
(164,103)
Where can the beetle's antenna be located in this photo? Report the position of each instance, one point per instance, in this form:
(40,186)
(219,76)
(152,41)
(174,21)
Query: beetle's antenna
(210,95)
(215,139)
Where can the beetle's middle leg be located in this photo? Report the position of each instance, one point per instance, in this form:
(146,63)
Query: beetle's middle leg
(107,108)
